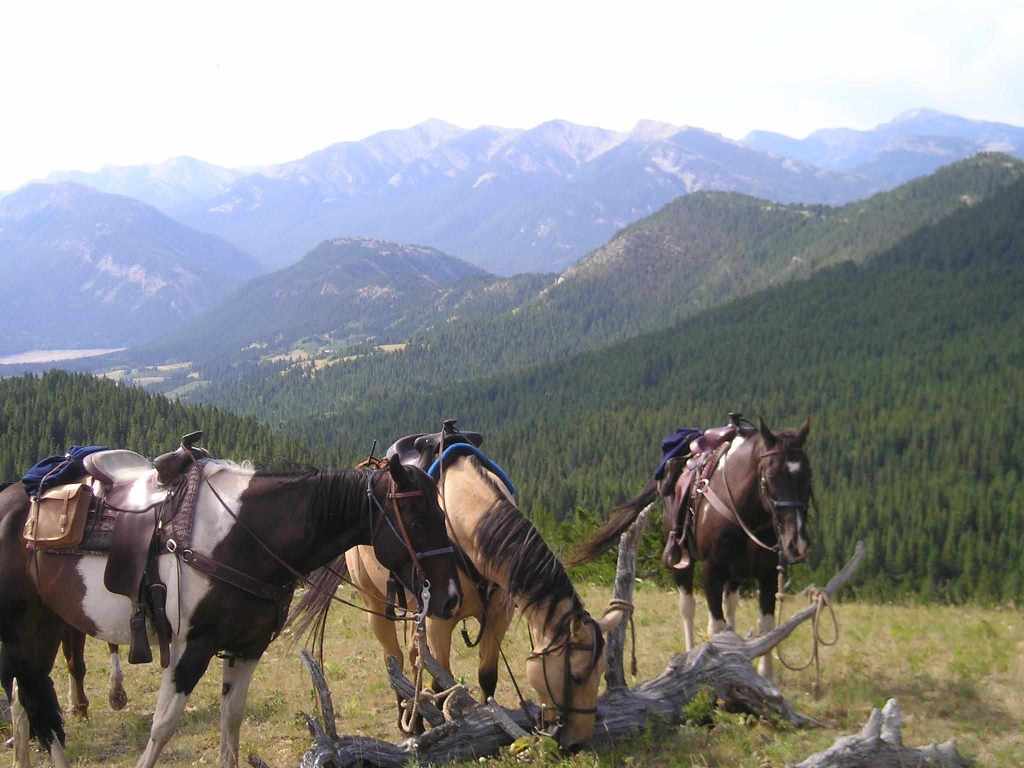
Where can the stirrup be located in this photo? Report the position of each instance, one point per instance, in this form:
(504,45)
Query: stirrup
(139,651)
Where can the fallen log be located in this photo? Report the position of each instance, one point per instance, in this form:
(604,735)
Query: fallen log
(465,728)
(880,745)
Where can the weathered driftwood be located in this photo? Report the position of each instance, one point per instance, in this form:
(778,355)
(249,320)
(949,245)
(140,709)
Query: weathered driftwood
(464,728)
(880,745)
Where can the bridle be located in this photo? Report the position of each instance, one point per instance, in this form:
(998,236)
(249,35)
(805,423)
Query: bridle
(769,503)
(400,532)
(564,629)
(775,506)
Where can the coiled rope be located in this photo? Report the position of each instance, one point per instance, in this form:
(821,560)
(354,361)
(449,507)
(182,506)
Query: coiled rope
(820,599)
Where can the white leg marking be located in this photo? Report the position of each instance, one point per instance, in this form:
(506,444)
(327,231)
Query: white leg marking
(169,707)
(116,694)
(57,755)
(764,664)
(732,600)
(232,708)
(687,607)
(20,727)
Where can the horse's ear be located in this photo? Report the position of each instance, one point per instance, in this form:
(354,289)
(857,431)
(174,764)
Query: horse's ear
(805,430)
(769,438)
(398,471)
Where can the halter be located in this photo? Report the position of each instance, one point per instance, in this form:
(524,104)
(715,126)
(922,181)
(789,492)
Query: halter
(768,502)
(400,533)
(567,646)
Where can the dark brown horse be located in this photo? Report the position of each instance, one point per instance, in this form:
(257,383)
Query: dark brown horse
(306,520)
(750,520)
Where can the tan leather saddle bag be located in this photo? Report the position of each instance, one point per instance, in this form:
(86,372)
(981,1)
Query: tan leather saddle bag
(56,519)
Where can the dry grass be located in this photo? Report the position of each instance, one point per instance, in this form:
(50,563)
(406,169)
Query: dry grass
(956,672)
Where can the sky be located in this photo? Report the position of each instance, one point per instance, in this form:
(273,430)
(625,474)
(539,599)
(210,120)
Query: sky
(86,84)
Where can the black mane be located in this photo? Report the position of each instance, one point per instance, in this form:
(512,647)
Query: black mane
(506,539)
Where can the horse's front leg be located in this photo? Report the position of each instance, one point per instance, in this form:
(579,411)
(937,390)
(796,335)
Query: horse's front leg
(687,605)
(714,587)
(439,640)
(116,694)
(732,601)
(766,585)
(73,645)
(498,618)
(237,674)
(175,686)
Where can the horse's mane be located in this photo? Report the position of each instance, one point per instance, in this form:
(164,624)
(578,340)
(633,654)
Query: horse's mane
(506,539)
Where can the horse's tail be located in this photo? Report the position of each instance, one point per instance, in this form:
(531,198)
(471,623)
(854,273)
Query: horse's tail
(619,519)
(29,631)
(30,688)
(308,617)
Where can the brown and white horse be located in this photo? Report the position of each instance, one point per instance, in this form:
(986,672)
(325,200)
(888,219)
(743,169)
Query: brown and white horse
(751,520)
(305,519)
(507,550)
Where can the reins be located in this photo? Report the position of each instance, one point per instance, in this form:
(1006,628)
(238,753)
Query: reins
(819,598)
(297,575)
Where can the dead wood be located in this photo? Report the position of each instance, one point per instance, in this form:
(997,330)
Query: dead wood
(463,728)
(880,745)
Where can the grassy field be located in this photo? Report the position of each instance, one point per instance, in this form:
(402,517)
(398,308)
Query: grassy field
(957,672)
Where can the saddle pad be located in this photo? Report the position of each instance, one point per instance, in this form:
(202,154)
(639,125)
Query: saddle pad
(676,444)
(465,449)
(57,518)
(58,470)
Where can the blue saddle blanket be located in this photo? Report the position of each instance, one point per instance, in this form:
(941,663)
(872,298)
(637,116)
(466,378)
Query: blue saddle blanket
(676,444)
(58,470)
(466,449)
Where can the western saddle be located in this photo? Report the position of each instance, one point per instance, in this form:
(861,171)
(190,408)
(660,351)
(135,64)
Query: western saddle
(681,476)
(421,449)
(143,496)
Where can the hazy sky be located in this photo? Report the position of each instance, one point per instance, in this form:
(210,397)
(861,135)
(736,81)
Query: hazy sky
(83,84)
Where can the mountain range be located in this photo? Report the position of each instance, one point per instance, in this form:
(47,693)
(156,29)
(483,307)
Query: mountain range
(168,186)
(537,200)
(915,143)
(343,293)
(458,324)
(88,269)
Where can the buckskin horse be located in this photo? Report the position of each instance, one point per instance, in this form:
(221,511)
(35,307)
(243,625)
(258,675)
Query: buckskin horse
(498,546)
(221,598)
(750,518)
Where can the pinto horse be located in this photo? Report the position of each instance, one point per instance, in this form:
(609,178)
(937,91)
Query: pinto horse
(507,551)
(265,527)
(750,520)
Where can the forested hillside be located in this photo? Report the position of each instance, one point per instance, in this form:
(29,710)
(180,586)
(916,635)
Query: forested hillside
(41,416)
(910,365)
(698,252)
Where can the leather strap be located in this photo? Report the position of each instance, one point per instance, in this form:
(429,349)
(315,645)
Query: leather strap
(236,578)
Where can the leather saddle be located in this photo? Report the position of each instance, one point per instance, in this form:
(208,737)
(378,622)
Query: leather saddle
(421,449)
(140,493)
(677,486)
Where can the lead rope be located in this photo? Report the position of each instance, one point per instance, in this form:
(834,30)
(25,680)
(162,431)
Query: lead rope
(821,601)
(627,607)
(410,711)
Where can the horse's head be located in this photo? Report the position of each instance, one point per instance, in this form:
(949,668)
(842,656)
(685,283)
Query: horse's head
(410,538)
(567,671)
(784,484)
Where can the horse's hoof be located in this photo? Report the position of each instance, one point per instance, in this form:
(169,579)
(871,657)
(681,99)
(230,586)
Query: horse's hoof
(118,699)
(9,743)
(81,711)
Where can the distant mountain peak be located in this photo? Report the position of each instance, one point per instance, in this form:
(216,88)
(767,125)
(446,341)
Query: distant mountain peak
(582,143)
(916,114)
(653,130)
